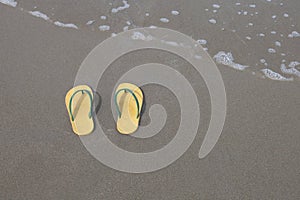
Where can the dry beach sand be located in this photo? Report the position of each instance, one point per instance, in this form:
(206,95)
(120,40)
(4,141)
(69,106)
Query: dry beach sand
(258,153)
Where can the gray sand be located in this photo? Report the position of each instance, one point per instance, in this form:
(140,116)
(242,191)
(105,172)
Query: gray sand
(256,157)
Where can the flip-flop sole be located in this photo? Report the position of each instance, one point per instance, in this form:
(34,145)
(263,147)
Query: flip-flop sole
(82,122)
(129,122)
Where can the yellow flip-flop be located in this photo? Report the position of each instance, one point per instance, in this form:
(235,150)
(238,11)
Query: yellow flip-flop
(79,103)
(129,102)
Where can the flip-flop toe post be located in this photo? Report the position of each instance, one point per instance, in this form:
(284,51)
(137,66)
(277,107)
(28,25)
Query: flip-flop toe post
(79,103)
(129,102)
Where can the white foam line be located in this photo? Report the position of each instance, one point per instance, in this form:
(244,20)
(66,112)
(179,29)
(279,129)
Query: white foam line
(216,6)
(274,75)
(294,34)
(277,43)
(39,14)
(271,50)
(227,59)
(57,23)
(263,61)
(291,69)
(164,20)
(212,21)
(126,5)
(294,64)
(12,3)
(140,36)
(69,25)
(90,22)
(175,12)
(261,35)
(104,28)
(202,41)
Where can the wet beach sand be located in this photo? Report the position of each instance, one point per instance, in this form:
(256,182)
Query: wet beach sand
(256,157)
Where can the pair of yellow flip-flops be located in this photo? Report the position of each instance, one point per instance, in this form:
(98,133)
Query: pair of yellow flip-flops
(128,101)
